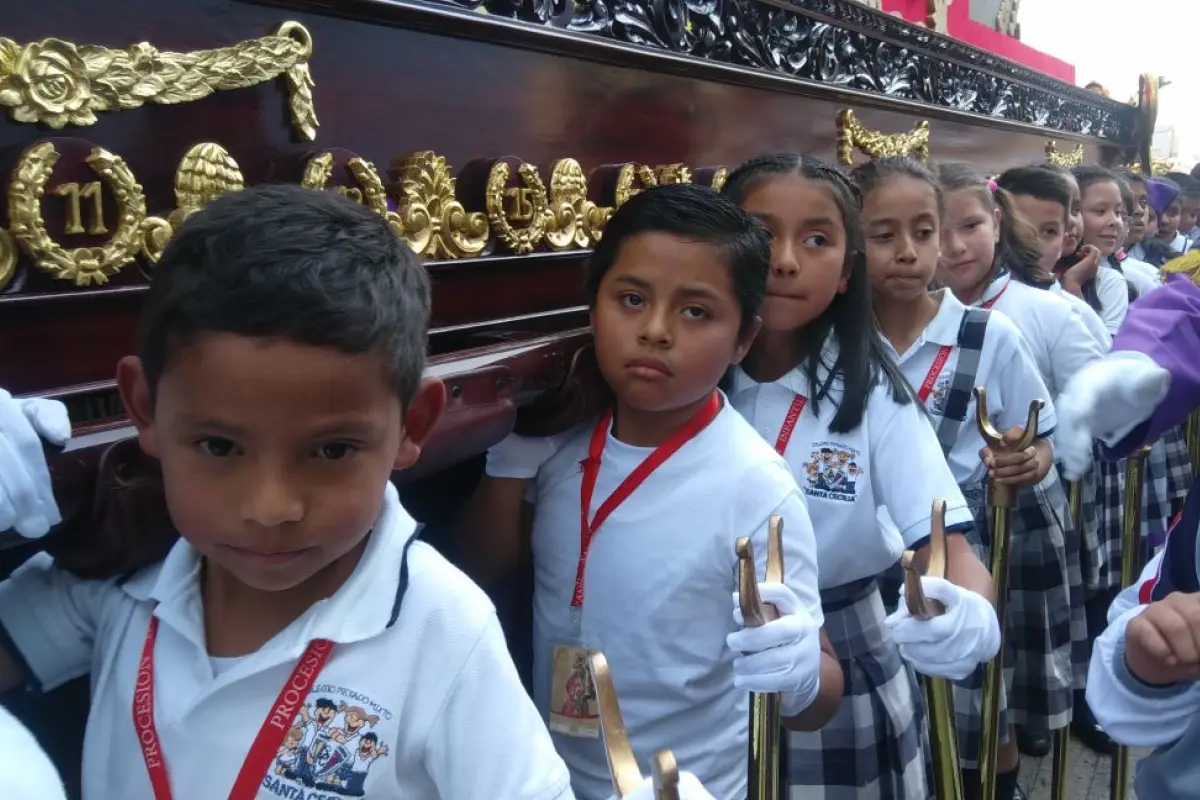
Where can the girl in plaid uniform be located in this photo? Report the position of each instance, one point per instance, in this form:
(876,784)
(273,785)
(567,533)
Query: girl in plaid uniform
(1063,344)
(947,348)
(818,384)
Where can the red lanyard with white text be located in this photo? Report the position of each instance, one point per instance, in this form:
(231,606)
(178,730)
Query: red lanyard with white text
(591,471)
(800,401)
(283,712)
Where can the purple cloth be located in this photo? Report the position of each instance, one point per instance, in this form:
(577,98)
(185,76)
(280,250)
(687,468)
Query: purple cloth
(1164,325)
(1161,194)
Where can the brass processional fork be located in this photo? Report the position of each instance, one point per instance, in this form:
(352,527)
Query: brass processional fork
(622,764)
(939,697)
(1002,499)
(766,715)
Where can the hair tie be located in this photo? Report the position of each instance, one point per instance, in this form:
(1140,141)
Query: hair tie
(992,185)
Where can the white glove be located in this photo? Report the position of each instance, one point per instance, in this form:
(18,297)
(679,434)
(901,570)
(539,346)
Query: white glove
(690,788)
(782,656)
(28,773)
(26,494)
(520,456)
(1105,400)
(953,644)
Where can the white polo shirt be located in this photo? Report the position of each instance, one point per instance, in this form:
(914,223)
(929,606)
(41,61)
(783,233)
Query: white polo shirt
(658,591)
(892,462)
(1114,298)
(1091,320)
(427,667)
(26,772)
(1141,276)
(1006,368)
(1054,330)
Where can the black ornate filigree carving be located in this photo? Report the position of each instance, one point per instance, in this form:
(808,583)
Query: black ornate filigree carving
(836,42)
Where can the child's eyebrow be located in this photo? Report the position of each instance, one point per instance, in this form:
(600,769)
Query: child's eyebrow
(811,222)
(690,290)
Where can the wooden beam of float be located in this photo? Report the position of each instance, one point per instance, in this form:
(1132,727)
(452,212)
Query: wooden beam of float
(58,83)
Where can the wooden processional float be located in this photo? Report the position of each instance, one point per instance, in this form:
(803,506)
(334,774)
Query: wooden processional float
(496,137)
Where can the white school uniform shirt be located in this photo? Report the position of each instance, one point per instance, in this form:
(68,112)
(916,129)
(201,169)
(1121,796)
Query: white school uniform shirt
(1113,296)
(1006,368)
(658,591)
(891,462)
(1091,320)
(1055,330)
(431,663)
(1141,276)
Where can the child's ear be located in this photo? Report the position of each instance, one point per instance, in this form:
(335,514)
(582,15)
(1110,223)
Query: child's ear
(419,418)
(139,403)
(745,339)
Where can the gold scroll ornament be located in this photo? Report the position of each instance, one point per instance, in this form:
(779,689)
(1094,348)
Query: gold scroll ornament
(1072,158)
(852,135)
(205,172)
(57,83)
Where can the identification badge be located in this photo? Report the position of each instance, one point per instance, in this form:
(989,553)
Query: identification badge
(573,707)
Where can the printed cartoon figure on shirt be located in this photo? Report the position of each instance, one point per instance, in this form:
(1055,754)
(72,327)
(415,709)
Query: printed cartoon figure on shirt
(833,472)
(330,747)
(937,397)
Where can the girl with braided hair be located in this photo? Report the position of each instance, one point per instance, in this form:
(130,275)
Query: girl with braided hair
(819,385)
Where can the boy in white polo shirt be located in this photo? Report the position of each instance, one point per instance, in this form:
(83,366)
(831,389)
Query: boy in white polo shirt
(297,641)
(667,481)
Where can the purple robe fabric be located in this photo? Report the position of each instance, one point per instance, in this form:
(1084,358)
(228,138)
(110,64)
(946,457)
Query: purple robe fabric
(1164,325)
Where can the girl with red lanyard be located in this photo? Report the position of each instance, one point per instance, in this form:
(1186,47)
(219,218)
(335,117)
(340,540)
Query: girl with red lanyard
(818,385)
(636,513)
(948,348)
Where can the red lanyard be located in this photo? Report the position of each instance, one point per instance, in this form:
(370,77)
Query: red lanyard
(988,304)
(800,401)
(591,471)
(283,712)
(939,361)
(789,423)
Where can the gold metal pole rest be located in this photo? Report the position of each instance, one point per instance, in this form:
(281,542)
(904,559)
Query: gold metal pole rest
(1001,501)
(766,716)
(622,764)
(1131,551)
(939,700)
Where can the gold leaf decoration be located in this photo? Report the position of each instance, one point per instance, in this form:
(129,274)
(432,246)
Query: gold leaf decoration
(8,258)
(431,216)
(853,135)
(1072,158)
(84,266)
(573,221)
(58,83)
(524,239)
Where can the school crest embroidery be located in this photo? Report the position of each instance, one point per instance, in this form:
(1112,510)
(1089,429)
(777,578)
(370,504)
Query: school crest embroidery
(832,472)
(330,747)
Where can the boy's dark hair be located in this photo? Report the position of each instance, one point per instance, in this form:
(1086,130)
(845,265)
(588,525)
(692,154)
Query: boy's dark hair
(1187,184)
(288,262)
(1017,248)
(862,358)
(1126,193)
(870,175)
(698,214)
(1042,184)
(1131,177)
(1087,175)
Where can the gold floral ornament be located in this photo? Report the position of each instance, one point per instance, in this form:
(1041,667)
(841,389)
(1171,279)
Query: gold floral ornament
(628,178)
(433,220)
(205,172)
(669,174)
(8,258)
(58,83)
(852,135)
(319,170)
(527,238)
(1072,158)
(84,266)
(572,220)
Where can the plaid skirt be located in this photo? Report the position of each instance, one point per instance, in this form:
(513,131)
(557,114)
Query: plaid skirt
(1168,473)
(1044,631)
(875,747)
